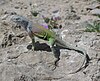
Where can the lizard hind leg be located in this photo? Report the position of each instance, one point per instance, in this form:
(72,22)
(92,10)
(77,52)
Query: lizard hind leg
(52,43)
(53,49)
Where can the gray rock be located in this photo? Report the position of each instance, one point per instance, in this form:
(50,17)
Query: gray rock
(95,12)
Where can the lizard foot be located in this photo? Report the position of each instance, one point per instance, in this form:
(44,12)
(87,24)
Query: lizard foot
(30,47)
(53,65)
(33,48)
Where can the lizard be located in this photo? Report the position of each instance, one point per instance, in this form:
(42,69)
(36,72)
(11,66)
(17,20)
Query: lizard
(36,30)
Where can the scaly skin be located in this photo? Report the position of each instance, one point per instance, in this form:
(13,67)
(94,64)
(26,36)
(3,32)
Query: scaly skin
(35,29)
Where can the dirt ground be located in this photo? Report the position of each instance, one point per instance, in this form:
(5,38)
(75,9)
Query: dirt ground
(18,62)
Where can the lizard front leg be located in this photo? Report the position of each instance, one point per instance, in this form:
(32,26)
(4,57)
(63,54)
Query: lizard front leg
(33,40)
(33,43)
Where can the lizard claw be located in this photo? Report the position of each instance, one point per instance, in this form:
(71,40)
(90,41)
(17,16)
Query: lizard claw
(52,66)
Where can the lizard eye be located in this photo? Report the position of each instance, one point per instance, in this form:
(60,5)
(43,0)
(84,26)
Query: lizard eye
(17,19)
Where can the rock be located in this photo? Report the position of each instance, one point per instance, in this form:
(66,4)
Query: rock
(95,12)
(4,17)
(94,6)
(72,16)
(1,38)
(2,2)
(16,7)
(23,78)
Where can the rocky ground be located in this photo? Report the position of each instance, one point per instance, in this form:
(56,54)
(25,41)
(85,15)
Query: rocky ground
(19,63)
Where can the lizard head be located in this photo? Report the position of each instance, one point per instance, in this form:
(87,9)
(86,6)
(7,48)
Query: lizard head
(20,20)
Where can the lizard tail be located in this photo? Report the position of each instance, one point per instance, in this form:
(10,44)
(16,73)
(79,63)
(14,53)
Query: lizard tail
(84,62)
(78,49)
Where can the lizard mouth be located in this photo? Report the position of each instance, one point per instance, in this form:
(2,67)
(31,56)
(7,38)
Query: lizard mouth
(13,18)
(16,18)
